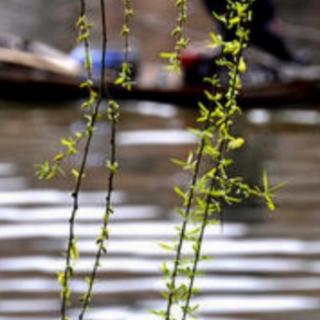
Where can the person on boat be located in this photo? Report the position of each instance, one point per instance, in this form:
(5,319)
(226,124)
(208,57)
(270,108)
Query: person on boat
(265,28)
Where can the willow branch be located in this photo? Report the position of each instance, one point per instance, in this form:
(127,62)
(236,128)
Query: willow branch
(104,236)
(68,271)
(209,198)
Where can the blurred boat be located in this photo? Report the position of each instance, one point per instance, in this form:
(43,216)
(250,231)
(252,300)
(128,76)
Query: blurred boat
(114,58)
(32,71)
(17,54)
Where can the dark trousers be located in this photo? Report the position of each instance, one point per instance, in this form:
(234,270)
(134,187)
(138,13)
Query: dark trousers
(261,36)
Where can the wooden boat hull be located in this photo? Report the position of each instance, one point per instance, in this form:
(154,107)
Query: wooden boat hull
(32,71)
(38,86)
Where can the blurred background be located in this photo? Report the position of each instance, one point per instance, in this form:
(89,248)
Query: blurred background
(54,22)
(264,267)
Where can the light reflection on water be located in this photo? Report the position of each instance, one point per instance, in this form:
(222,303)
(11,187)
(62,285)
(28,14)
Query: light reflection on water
(147,265)
(259,116)
(85,213)
(27,306)
(300,117)
(53,197)
(13,183)
(262,304)
(7,169)
(159,229)
(26,318)
(217,247)
(207,285)
(156,137)
(264,271)
(153,109)
(306,117)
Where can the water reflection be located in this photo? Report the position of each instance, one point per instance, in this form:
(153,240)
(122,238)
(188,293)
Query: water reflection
(85,213)
(254,304)
(262,271)
(259,116)
(146,265)
(21,306)
(53,197)
(215,247)
(156,137)
(156,230)
(207,285)
(7,169)
(13,183)
(148,108)
(304,117)
(298,117)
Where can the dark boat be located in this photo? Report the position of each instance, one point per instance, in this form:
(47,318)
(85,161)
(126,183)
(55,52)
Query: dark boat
(31,71)
(29,86)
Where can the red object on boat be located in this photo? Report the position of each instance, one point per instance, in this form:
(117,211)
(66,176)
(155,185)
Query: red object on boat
(190,58)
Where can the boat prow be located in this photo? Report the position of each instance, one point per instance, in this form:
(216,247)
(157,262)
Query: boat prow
(17,53)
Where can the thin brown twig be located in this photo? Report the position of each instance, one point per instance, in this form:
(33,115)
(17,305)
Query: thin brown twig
(108,208)
(75,194)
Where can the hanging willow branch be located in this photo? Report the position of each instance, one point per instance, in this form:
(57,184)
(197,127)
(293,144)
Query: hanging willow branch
(212,201)
(92,106)
(124,79)
(86,298)
(210,188)
(178,33)
(125,76)
(213,188)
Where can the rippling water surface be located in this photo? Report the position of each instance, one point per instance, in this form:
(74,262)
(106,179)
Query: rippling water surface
(264,267)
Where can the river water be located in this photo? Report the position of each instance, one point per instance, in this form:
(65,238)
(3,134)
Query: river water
(264,267)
